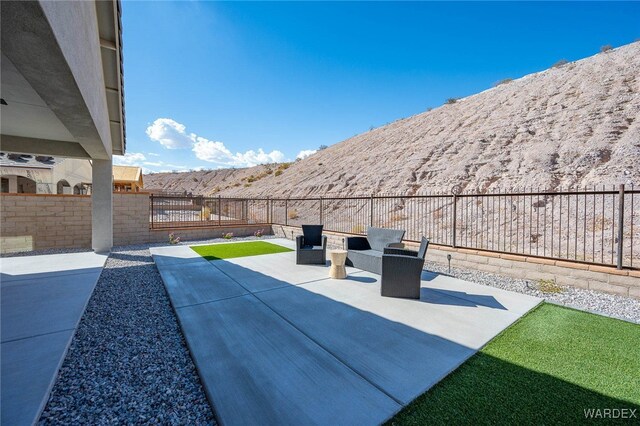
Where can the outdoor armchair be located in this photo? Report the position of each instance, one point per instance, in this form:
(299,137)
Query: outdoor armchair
(311,247)
(402,271)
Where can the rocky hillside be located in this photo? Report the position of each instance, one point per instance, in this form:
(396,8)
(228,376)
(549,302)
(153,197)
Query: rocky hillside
(573,125)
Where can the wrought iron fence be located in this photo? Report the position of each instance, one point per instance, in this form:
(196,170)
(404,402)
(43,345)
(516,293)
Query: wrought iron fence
(167,212)
(597,226)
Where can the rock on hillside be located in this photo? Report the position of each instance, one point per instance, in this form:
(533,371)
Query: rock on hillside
(574,125)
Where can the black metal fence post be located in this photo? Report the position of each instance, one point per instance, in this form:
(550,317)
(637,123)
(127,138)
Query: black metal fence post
(453,221)
(320,210)
(286,212)
(371,211)
(620,224)
(219,210)
(151,201)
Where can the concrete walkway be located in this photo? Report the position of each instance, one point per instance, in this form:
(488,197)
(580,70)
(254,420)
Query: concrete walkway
(42,301)
(280,343)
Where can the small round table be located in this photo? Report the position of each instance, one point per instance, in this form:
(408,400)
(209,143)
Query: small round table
(338,258)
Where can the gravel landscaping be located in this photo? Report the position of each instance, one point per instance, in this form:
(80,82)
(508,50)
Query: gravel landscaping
(611,305)
(128,362)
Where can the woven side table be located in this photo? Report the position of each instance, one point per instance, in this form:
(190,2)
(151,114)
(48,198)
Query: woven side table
(338,258)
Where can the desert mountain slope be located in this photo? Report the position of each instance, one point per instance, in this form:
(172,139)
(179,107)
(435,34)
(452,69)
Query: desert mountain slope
(575,125)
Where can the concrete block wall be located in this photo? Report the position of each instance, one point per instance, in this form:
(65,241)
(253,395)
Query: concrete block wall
(40,221)
(130,218)
(203,233)
(594,277)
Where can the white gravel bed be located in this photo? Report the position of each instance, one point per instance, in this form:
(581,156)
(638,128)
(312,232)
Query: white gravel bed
(625,308)
(128,362)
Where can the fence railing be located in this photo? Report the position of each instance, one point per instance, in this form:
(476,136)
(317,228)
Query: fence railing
(598,226)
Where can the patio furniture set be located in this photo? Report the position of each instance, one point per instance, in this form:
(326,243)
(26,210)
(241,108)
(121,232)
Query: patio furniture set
(380,252)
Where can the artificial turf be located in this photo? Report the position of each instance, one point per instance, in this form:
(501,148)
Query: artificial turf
(548,368)
(231,250)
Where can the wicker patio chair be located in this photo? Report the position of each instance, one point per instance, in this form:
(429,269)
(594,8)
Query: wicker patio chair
(311,247)
(401,271)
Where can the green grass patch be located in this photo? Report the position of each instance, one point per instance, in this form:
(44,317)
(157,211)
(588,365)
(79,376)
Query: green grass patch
(231,250)
(547,368)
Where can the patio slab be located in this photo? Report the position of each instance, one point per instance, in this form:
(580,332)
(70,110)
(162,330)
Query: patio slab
(170,255)
(259,369)
(44,305)
(193,283)
(298,326)
(42,301)
(402,346)
(29,368)
(480,294)
(267,272)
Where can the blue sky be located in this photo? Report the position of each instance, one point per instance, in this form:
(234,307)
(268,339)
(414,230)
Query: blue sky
(233,84)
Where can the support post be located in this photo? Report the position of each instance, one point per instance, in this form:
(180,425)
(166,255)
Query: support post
(620,224)
(219,210)
(321,211)
(286,212)
(102,206)
(13,184)
(453,236)
(371,211)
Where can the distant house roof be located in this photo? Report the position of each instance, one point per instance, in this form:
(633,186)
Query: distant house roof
(127,174)
(27,160)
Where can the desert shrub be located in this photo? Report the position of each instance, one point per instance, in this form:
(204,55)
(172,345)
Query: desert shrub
(284,166)
(173,239)
(268,171)
(246,185)
(560,63)
(429,109)
(293,214)
(606,48)
(503,81)
(228,236)
(278,173)
(549,286)
(321,147)
(252,178)
(451,101)
(259,233)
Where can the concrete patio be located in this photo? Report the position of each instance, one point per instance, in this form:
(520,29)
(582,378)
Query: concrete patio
(43,299)
(280,343)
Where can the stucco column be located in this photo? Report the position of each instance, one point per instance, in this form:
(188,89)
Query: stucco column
(102,206)
(13,184)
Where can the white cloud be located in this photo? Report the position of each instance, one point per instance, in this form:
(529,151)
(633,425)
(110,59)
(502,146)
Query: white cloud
(128,159)
(170,134)
(173,135)
(153,154)
(305,153)
(252,158)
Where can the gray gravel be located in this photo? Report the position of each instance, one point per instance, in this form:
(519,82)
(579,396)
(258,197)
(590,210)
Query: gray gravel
(128,362)
(611,305)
